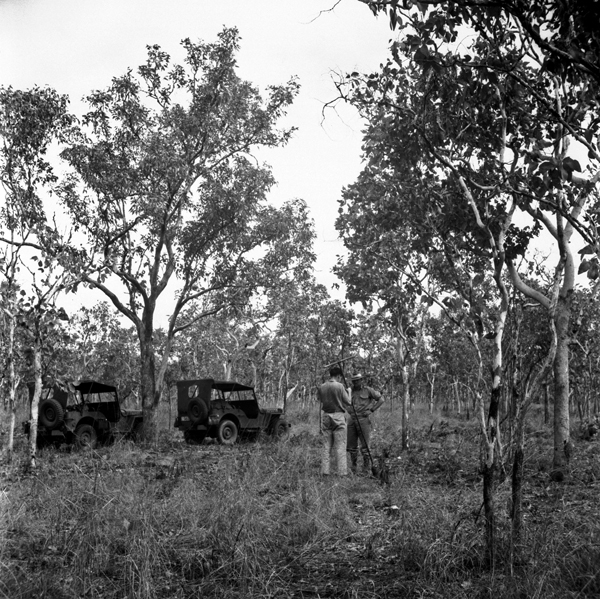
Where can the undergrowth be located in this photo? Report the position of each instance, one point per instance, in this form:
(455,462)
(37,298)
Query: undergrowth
(256,520)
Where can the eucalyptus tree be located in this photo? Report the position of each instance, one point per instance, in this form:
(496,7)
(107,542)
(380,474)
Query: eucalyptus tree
(511,88)
(413,238)
(30,121)
(171,201)
(481,103)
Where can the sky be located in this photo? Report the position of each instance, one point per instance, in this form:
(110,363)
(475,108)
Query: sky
(77,46)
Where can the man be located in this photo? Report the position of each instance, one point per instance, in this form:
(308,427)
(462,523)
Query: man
(334,400)
(364,402)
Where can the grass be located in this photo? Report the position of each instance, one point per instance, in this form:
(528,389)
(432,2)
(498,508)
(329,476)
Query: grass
(256,520)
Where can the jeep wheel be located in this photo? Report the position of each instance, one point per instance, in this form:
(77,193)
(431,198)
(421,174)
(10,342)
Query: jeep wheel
(197,411)
(227,433)
(281,430)
(51,414)
(194,437)
(86,436)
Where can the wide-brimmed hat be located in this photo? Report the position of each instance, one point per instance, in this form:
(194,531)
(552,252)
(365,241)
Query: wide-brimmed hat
(357,377)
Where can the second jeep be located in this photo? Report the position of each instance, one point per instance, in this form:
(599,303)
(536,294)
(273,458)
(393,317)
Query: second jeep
(224,410)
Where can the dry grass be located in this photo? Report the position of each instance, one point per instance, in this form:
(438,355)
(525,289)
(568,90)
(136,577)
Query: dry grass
(255,520)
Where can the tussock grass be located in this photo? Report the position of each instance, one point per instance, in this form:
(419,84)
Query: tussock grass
(256,520)
(129,523)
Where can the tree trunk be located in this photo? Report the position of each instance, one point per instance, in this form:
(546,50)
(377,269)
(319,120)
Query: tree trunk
(457,398)
(431,379)
(490,468)
(148,388)
(12,387)
(405,404)
(170,407)
(517,494)
(35,404)
(489,491)
(561,386)
(522,404)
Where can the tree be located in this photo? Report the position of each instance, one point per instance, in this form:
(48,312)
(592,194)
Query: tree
(412,229)
(167,193)
(525,89)
(42,319)
(489,120)
(30,121)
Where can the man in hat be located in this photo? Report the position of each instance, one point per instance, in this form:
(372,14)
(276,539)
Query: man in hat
(334,402)
(364,402)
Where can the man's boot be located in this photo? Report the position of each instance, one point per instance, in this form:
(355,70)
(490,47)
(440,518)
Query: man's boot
(353,461)
(366,464)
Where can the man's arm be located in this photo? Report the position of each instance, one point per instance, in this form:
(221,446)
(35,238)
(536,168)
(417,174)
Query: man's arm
(346,398)
(377,398)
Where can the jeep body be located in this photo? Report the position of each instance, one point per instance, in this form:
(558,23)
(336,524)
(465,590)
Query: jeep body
(224,410)
(87,414)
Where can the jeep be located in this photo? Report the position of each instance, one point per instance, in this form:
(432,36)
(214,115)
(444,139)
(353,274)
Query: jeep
(224,410)
(86,414)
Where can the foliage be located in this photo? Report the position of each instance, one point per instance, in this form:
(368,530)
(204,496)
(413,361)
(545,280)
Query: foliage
(30,122)
(169,198)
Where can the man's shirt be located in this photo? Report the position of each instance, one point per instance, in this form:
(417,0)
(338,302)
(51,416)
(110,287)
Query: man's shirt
(333,397)
(363,401)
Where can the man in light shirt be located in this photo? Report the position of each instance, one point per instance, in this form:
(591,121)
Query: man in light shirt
(335,401)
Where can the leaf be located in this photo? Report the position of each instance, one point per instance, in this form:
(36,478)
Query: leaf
(584,266)
(572,165)
(588,249)
(546,166)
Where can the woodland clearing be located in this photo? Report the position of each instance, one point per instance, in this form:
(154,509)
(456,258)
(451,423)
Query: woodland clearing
(257,520)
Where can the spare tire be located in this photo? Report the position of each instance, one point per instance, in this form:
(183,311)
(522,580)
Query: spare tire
(51,414)
(197,411)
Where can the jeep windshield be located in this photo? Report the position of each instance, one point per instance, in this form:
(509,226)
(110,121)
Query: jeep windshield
(94,392)
(233,395)
(232,392)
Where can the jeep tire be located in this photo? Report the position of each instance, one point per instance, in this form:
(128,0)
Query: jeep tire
(227,433)
(86,436)
(51,414)
(280,429)
(197,411)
